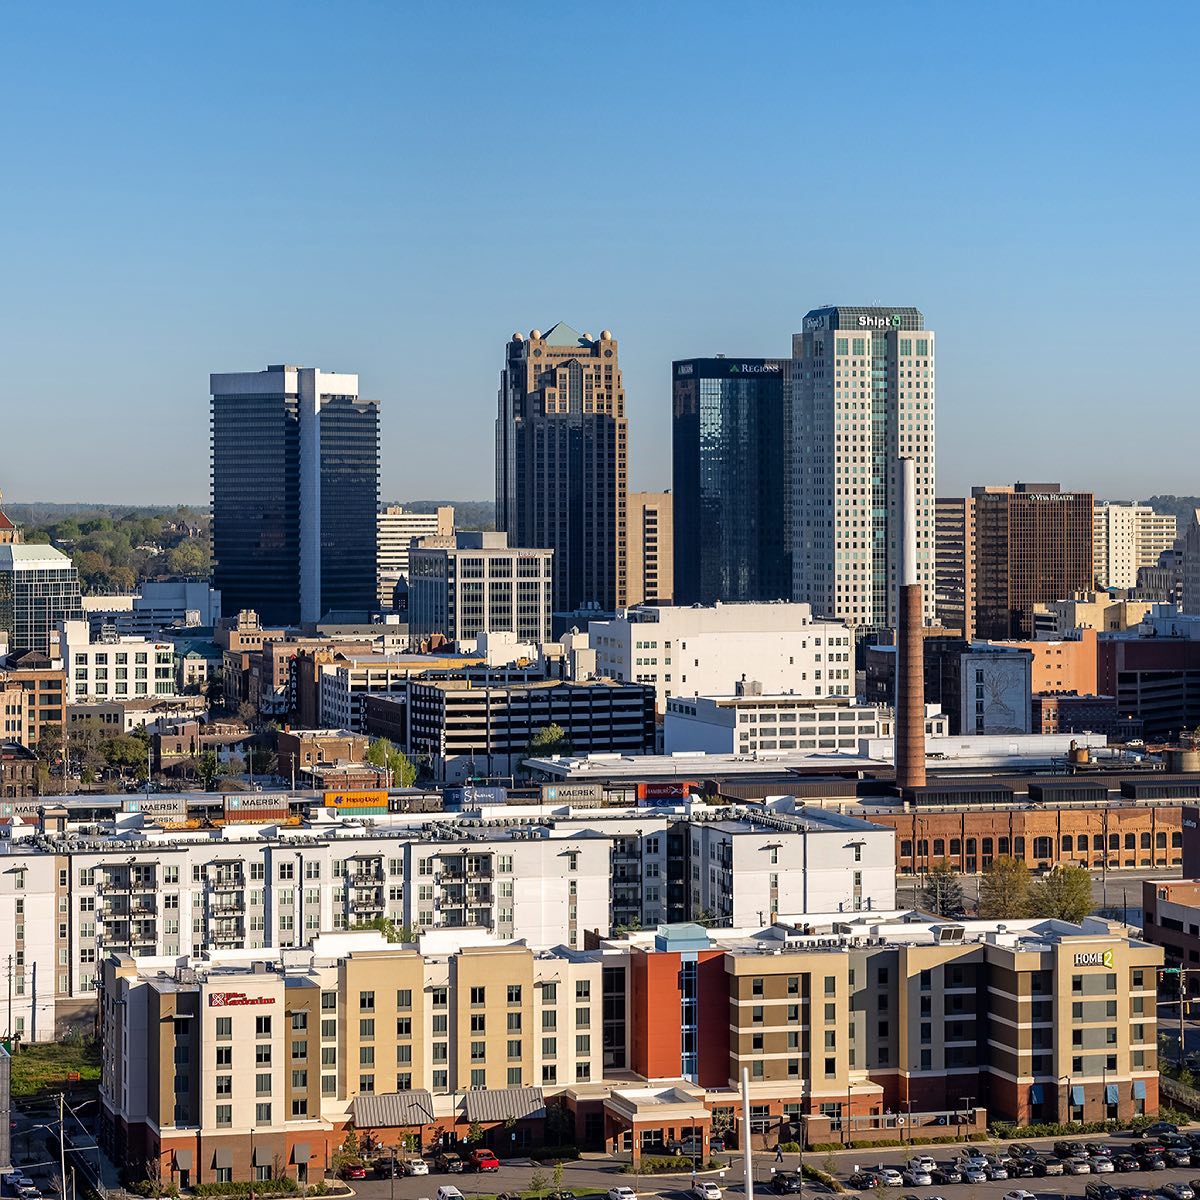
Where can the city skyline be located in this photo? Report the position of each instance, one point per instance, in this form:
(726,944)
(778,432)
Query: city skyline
(149,276)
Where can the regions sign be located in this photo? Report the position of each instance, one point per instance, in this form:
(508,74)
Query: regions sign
(236,1000)
(580,795)
(360,801)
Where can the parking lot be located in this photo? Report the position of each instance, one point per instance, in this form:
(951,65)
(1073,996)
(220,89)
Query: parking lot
(596,1173)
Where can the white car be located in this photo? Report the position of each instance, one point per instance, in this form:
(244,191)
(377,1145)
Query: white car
(972,1172)
(415,1166)
(915,1177)
(1077,1166)
(1019,1194)
(1101,1165)
(706,1191)
(922,1162)
(888,1176)
(622,1193)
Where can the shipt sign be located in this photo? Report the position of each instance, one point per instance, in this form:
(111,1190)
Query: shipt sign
(359,802)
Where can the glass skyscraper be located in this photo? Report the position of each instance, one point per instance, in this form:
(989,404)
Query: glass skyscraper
(730,479)
(295,490)
(863,398)
(39,587)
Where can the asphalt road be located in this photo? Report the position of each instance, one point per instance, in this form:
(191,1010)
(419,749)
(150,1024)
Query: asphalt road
(604,1173)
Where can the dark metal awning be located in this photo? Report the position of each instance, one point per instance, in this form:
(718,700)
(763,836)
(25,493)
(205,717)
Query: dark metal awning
(184,1160)
(301,1152)
(264,1156)
(223,1157)
(504,1104)
(393,1110)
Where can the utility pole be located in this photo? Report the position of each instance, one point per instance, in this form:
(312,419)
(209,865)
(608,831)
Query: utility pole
(747,1157)
(9,1030)
(62,1148)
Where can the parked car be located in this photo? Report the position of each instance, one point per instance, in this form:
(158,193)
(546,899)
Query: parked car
(484,1160)
(972,1172)
(889,1176)
(1077,1166)
(922,1162)
(916,1177)
(971,1158)
(716,1145)
(1043,1167)
(415,1166)
(447,1191)
(1127,1162)
(702,1190)
(1176,1156)
(1101,1191)
(1021,1150)
(1097,1150)
(1177,1191)
(1152,1161)
(1167,1140)
(786,1183)
(946,1174)
(1160,1127)
(1021,1168)
(1019,1194)
(354,1171)
(690,1146)
(860,1181)
(1101,1165)
(1135,1193)
(449,1161)
(622,1193)
(996,1171)
(1066,1149)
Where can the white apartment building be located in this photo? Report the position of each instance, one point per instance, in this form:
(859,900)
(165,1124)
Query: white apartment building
(69,899)
(699,651)
(114,667)
(751,723)
(1126,538)
(863,397)
(789,861)
(396,530)
(475,583)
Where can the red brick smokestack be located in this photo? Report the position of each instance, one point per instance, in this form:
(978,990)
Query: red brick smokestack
(910,643)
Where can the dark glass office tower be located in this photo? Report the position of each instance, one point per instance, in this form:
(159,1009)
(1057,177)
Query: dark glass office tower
(295,489)
(730,479)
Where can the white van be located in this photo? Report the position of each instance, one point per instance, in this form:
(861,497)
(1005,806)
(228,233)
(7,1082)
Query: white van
(449,1192)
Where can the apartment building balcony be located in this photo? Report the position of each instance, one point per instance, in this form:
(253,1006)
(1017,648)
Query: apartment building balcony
(226,883)
(226,935)
(227,903)
(145,906)
(368,902)
(366,878)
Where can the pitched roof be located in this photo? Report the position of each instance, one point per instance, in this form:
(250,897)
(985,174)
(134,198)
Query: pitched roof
(562,334)
(392,1110)
(5,523)
(504,1104)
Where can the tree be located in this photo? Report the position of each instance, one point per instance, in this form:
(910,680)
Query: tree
(942,894)
(390,930)
(381,753)
(550,739)
(1004,889)
(538,1182)
(475,1134)
(1065,893)
(206,767)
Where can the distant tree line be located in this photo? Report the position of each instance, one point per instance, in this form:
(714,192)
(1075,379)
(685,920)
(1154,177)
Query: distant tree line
(115,551)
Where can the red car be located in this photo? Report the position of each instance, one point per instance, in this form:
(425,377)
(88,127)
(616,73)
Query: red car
(484,1160)
(354,1171)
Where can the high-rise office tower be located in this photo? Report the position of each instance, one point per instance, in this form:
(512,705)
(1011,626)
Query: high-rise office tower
(561,460)
(954,555)
(730,479)
(396,530)
(1127,538)
(862,399)
(650,556)
(39,587)
(295,489)
(1033,545)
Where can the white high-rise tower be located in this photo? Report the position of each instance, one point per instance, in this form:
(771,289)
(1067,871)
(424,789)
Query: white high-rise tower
(863,398)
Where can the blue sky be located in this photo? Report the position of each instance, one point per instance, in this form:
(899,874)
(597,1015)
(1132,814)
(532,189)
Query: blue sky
(393,189)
